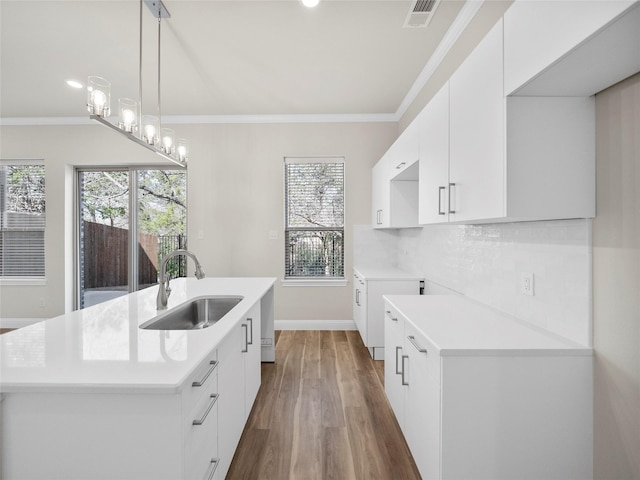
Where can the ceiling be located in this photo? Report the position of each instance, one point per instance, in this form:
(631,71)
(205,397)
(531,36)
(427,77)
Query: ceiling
(234,57)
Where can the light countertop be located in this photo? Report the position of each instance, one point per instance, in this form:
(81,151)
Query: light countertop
(457,325)
(101,347)
(384,273)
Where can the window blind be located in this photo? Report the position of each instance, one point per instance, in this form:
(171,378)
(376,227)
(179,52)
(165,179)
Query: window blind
(22,218)
(314,217)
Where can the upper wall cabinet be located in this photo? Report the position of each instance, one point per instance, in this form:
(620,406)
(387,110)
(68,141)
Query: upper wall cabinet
(569,47)
(434,191)
(395,183)
(507,159)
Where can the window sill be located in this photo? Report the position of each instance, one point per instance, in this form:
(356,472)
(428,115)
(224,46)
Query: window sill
(23,281)
(314,282)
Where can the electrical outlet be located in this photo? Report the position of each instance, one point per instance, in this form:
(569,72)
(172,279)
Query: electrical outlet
(526,283)
(266,342)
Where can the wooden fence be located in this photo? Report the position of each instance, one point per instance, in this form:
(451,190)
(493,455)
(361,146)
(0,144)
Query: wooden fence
(106,256)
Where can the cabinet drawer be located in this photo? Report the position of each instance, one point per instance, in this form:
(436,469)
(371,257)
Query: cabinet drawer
(201,438)
(429,354)
(199,383)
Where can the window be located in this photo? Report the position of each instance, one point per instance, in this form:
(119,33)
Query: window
(22,220)
(314,218)
(129,220)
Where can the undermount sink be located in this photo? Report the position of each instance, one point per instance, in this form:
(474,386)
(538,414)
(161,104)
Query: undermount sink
(196,314)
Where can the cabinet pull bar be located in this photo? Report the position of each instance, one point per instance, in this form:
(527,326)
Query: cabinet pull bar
(357,297)
(246,338)
(400,165)
(440,211)
(398,372)
(451,185)
(406,384)
(250,341)
(198,383)
(393,319)
(213,467)
(214,399)
(412,339)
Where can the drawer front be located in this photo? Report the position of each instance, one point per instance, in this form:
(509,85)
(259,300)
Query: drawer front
(199,383)
(429,354)
(201,437)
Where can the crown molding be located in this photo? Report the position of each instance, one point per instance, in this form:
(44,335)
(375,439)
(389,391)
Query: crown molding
(216,119)
(459,25)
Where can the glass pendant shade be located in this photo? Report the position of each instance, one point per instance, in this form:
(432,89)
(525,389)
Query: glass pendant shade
(182,150)
(128,115)
(98,96)
(167,142)
(150,130)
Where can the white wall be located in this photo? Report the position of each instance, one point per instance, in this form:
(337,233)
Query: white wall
(616,268)
(235,188)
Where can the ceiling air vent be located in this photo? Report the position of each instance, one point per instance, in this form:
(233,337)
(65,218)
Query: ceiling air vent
(420,13)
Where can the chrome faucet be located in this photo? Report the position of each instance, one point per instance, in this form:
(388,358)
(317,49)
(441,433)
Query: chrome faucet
(163,288)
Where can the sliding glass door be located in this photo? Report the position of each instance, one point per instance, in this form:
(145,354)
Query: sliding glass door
(129,219)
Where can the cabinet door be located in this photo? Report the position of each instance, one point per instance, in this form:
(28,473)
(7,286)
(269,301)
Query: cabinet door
(359,306)
(252,363)
(380,193)
(477,170)
(394,348)
(434,159)
(422,406)
(231,404)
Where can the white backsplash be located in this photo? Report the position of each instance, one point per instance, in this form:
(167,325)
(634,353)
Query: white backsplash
(485,262)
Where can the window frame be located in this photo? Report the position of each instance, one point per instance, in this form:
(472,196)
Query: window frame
(314,281)
(132,250)
(29,280)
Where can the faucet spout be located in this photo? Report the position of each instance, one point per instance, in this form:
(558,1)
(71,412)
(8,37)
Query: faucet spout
(164,290)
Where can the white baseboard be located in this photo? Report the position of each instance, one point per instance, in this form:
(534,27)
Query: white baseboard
(315,325)
(18,322)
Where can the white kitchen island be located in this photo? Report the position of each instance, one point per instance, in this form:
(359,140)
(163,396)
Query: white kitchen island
(90,395)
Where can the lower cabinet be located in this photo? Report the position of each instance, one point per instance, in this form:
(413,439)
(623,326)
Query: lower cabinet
(468,411)
(191,434)
(368,288)
(239,381)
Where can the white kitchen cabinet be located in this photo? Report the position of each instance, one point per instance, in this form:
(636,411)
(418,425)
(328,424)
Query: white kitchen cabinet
(478,394)
(394,188)
(509,158)
(149,436)
(370,284)
(541,36)
(434,159)
(239,381)
(477,164)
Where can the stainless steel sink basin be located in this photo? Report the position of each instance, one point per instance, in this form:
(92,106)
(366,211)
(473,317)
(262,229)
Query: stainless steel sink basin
(198,313)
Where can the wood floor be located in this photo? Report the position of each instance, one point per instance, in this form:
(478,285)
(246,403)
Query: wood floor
(321,413)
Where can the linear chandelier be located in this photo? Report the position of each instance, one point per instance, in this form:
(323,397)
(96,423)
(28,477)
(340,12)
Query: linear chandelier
(151,135)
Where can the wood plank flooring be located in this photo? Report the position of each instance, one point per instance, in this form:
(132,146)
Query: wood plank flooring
(321,413)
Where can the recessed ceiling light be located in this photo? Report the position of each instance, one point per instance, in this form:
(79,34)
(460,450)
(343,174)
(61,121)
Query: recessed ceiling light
(310,3)
(74,84)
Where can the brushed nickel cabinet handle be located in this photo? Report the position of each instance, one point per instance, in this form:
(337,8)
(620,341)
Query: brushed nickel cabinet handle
(214,399)
(405,383)
(198,383)
(451,185)
(398,372)
(250,341)
(213,467)
(440,212)
(246,338)
(412,339)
